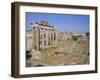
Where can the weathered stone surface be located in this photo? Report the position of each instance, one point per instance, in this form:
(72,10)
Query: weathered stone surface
(58,50)
(36,54)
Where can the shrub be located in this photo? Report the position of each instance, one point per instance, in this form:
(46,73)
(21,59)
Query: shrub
(28,55)
(75,38)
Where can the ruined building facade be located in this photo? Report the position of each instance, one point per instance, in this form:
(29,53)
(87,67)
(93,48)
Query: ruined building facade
(41,36)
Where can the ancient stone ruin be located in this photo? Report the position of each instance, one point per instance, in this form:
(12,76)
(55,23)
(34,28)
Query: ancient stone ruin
(41,36)
(49,47)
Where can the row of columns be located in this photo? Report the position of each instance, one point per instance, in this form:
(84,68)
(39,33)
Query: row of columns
(47,37)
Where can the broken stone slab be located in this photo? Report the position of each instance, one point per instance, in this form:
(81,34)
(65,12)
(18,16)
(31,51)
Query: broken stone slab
(36,54)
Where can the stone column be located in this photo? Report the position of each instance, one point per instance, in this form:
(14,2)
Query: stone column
(38,39)
(46,38)
(56,38)
(52,41)
(50,38)
(35,38)
(42,39)
(53,38)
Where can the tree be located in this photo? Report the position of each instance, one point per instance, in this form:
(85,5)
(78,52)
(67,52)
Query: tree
(87,33)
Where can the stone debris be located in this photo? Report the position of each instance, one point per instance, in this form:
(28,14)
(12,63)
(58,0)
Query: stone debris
(48,49)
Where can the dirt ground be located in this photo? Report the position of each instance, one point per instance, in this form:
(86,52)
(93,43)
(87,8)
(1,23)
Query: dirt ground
(66,53)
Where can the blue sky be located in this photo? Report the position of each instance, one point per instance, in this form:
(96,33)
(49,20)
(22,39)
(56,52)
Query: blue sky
(63,22)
